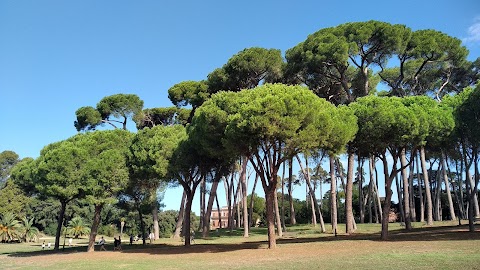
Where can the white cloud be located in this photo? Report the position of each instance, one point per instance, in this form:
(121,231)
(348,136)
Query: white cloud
(473,31)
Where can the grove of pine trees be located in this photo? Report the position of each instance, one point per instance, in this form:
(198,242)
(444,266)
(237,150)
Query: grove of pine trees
(400,105)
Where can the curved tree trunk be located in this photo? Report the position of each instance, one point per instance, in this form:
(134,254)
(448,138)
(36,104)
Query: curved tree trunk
(179,225)
(94,228)
(61,215)
(208,213)
(428,193)
(406,191)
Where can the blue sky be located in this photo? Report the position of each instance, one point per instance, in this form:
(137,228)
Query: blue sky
(56,56)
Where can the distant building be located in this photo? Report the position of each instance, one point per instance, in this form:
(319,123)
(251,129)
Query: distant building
(215,219)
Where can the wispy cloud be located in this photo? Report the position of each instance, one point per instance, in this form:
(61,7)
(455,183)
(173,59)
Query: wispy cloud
(473,31)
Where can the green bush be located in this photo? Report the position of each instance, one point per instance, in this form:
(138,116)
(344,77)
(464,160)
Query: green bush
(109,230)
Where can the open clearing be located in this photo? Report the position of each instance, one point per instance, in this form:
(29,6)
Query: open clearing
(444,246)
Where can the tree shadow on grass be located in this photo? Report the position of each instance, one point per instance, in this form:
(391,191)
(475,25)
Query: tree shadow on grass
(444,233)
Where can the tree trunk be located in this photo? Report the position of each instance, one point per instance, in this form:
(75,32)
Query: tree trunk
(270,201)
(311,191)
(219,211)
(203,192)
(293,220)
(283,199)
(413,212)
(156,228)
(61,215)
(447,186)
(400,200)
(428,194)
(377,203)
(208,213)
(333,195)
(420,193)
(94,228)
(179,225)
(253,222)
(361,204)
(438,193)
(243,179)
(406,191)
(142,224)
(315,204)
(277,215)
(388,195)
(186,224)
(349,219)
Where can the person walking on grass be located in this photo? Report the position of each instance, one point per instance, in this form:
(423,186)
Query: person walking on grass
(102,244)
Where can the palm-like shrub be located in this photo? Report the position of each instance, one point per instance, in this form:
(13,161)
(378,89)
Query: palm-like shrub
(77,227)
(28,231)
(10,227)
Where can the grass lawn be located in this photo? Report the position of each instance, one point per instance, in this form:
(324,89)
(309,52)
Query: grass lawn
(443,246)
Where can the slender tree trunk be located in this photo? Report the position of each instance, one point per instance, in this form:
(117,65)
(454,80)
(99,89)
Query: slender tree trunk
(413,211)
(369,200)
(428,194)
(270,198)
(400,199)
(243,180)
(203,192)
(420,193)
(253,222)
(447,186)
(378,204)
(156,227)
(340,173)
(315,204)
(142,223)
(208,213)
(333,195)
(179,225)
(406,191)
(283,199)
(310,191)
(61,215)
(277,215)
(293,220)
(94,228)
(219,211)
(186,224)
(349,219)
(460,185)
(360,190)
(388,193)
(438,193)
(232,223)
